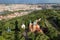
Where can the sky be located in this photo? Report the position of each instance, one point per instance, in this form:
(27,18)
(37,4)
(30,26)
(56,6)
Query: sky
(29,1)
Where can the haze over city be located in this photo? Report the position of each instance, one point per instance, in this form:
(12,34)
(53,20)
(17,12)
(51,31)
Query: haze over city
(29,1)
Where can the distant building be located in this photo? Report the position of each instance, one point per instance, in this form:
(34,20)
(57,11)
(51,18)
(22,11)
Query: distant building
(56,6)
(15,7)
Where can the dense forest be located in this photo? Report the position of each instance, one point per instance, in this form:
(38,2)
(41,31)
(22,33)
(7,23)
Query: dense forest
(50,25)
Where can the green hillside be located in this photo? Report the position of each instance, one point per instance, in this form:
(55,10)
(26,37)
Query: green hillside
(50,24)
